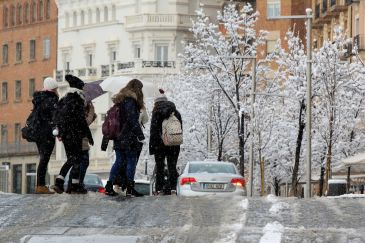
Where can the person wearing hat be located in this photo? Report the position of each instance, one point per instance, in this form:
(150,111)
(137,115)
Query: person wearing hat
(72,127)
(45,102)
(162,110)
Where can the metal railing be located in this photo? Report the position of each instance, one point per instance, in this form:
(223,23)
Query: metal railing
(169,64)
(4,178)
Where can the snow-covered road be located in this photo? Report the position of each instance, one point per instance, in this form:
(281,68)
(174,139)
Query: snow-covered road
(98,218)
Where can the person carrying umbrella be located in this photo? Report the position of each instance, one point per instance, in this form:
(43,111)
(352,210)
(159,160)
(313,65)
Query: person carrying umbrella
(72,128)
(130,100)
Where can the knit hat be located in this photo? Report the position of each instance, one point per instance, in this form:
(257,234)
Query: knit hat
(49,84)
(161,96)
(74,81)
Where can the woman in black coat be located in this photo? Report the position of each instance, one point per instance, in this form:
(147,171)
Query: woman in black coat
(130,100)
(161,111)
(72,128)
(45,102)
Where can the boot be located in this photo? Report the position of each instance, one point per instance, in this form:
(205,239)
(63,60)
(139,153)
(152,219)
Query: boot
(131,191)
(78,189)
(42,190)
(109,189)
(58,187)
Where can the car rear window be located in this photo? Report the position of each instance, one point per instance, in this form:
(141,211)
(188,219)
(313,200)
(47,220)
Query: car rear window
(211,168)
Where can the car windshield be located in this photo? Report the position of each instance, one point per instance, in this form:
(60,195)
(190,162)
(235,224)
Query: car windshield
(211,168)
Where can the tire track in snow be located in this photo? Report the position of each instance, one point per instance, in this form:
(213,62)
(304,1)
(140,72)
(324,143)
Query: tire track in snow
(231,231)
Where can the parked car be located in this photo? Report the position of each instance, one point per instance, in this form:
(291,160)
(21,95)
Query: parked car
(92,183)
(143,187)
(210,178)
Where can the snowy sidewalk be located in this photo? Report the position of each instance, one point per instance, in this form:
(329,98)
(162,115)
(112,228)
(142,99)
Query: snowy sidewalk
(98,218)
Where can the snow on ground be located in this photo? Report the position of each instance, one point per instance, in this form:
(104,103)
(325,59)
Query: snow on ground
(80,239)
(231,231)
(348,196)
(272,233)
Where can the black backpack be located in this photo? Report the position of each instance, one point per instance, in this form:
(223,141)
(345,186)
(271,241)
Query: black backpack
(30,131)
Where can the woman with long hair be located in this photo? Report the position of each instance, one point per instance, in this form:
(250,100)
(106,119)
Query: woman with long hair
(130,101)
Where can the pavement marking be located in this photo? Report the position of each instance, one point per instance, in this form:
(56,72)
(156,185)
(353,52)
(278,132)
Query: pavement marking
(272,233)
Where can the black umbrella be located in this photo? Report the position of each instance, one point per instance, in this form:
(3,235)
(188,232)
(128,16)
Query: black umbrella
(93,90)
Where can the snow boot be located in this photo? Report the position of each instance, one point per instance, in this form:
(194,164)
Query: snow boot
(78,189)
(109,189)
(131,191)
(42,190)
(58,187)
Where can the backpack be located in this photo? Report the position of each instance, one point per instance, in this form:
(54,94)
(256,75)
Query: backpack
(111,124)
(30,131)
(172,134)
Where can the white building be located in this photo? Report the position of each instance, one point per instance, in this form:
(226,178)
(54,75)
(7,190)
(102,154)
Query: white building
(137,38)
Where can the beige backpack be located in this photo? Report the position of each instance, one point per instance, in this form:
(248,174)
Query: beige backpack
(172,134)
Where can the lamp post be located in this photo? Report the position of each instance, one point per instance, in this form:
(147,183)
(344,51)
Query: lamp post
(308,17)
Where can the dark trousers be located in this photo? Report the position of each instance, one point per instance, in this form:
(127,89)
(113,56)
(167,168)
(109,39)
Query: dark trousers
(171,154)
(127,159)
(74,156)
(45,149)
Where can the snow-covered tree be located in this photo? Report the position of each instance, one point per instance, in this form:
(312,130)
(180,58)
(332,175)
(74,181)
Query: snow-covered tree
(216,50)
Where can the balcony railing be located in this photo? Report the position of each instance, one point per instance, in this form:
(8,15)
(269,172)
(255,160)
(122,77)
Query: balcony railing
(358,41)
(168,64)
(105,70)
(125,65)
(11,149)
(158,21)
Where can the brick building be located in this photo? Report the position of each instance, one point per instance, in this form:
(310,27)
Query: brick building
(28,39)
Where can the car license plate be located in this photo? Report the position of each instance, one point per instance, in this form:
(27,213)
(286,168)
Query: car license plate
(213,186)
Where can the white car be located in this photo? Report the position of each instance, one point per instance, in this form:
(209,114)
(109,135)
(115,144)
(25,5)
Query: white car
(210,178)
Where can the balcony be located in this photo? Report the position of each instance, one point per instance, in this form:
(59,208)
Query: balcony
(158,21)
(358,41)
(105,70)
(60,75)
(338,6)
(17,149)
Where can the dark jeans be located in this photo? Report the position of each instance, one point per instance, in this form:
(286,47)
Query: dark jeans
(74,156)
(45,149)
(171,154)
(84,164)
(127,158)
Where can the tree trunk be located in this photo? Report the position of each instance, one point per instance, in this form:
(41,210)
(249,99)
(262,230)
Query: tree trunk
(276,186)
(321,181)
(301,128)
(220,150)
(241,127)
(329,150)
(262,169)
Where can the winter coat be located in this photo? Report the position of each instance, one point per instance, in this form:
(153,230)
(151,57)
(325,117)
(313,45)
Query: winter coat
(46,102)
(131,131)
(161,111)
(70,118)
(90,118)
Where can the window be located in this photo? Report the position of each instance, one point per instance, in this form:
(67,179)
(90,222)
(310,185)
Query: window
(18,49)
(26,13)
(31,87)
(34,12)
(41,10)
(32,50)
(106,14)
(74,19)
(82,17)
(31,177)
(90,16)
(19,14)
(5,53)
(270,46)
(273,8)
(18,90)
(114,56)
(4,134)
(48,9)
(12,15)
(4,92)
(17,178)
(161,52)
(17,133)
(97,15)
(137,51)
(46,48)
(6,17)
(90,60)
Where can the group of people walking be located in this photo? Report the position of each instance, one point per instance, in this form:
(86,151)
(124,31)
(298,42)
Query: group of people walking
(69,118)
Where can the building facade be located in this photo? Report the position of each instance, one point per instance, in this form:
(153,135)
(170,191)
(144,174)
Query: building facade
(28,39)
(106,38)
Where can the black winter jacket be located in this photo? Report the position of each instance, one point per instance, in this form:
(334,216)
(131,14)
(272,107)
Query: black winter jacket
(161,111)
(70,118)
(131,131)
(46,103)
